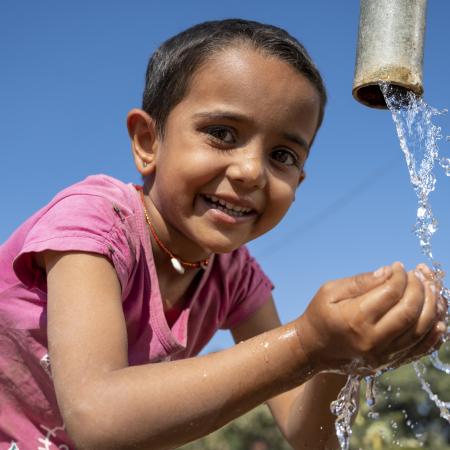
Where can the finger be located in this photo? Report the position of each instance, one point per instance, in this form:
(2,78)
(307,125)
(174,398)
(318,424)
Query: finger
(427,320)
(442,307)
(432,275)
(405,313)
(430,343)
(427,272)
(357,285)
(442,304)
(376,303)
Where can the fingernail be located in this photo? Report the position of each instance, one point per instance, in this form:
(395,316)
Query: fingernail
(433,288)
(379,272)
(441,327)
(419,275)
(398,263)
(423,267)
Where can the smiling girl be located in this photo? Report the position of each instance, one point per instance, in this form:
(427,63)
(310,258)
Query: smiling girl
(109,292)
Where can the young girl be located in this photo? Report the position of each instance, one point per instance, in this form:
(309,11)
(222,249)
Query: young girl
(109,292)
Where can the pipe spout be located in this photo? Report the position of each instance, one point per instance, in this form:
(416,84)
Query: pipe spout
(390,48)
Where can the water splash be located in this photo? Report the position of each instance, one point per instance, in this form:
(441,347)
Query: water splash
(344,407)
(444,407)
(370,392)
(419,137)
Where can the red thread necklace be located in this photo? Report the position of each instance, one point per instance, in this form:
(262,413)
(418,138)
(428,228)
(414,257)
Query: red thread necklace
(177,263)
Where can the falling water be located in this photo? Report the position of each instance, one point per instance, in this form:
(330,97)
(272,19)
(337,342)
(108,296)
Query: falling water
(344,407)
(418,138)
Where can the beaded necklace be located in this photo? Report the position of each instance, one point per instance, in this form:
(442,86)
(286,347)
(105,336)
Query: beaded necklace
(177,263)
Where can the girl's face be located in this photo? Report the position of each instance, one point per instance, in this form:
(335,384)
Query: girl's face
(232,156)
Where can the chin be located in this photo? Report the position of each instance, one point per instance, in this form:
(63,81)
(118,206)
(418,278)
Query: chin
(222,246)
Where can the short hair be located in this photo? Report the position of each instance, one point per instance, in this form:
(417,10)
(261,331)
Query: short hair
(174,63)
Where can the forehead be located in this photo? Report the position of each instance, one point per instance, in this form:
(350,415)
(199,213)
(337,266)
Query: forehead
(259,85)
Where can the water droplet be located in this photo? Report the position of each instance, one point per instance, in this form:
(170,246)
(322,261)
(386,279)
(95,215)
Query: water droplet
(370,391)
(433,226)
(421,211)
(444,162)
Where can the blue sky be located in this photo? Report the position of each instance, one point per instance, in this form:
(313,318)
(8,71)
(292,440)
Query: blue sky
(70,71)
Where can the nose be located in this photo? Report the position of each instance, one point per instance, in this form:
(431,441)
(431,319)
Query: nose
(248,168)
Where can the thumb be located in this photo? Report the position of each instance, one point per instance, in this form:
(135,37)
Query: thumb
(360,284)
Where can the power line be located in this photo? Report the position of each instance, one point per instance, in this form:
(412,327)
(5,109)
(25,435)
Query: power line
(339,203)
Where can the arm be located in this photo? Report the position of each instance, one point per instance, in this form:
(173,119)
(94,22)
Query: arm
(292,409)
(303,414)
(106,404)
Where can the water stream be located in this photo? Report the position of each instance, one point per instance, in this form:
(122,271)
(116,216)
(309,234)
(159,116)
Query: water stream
(418,138)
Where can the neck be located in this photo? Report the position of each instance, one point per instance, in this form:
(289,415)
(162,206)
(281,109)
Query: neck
(164,240)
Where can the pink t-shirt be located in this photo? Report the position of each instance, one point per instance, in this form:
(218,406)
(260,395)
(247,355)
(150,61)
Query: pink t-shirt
(105,216)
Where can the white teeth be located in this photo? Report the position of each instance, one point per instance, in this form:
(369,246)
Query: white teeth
(227,207)
(231,212)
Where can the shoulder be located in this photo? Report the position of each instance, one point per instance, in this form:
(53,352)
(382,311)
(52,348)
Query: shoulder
(96,215)
(97,203)
(100,188)
(240,271)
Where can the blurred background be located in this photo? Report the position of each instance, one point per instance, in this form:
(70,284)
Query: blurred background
(70,71)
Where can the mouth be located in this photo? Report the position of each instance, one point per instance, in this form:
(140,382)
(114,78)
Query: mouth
(228,208)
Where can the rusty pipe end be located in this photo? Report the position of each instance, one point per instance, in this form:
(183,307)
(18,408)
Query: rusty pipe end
(390,49)
(367,91)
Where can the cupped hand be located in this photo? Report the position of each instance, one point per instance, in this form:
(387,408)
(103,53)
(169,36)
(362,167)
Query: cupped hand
(373,320)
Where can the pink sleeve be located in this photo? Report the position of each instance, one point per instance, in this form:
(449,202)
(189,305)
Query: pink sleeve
(78,222)
(251,288)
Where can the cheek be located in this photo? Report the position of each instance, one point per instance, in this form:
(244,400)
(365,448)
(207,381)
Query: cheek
(281,199)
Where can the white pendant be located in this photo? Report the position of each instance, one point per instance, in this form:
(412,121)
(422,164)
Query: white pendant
(177,265)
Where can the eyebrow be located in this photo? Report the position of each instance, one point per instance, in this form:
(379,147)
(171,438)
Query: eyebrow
(297,140)
(221,115)
(229,115)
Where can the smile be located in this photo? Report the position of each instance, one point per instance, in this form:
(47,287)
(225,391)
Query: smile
(227,207)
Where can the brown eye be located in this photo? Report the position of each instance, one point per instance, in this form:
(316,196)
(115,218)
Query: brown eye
(285,157)
(222,134)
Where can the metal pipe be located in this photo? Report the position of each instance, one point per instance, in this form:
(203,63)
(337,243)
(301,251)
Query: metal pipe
(390,48)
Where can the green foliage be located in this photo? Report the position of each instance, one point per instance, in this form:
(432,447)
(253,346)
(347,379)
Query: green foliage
(255,430)
(402,418)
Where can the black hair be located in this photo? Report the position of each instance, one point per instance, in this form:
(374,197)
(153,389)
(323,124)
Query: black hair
(173,64)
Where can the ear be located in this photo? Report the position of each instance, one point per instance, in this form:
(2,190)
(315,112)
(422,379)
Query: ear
(144,142)
(301,178)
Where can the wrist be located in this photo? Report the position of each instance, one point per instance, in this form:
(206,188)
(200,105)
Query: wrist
(305,365)
(308,344)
